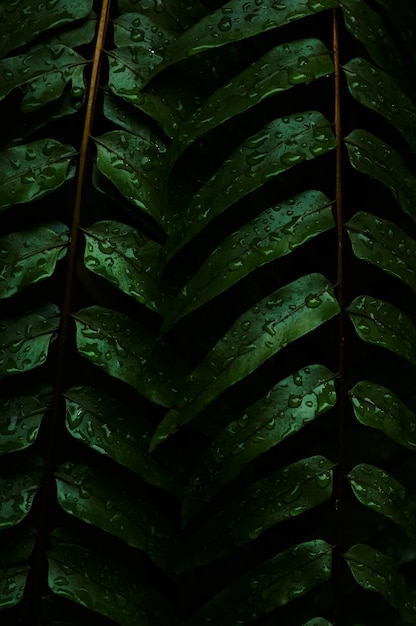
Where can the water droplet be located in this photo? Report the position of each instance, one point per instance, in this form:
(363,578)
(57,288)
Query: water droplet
(312,301)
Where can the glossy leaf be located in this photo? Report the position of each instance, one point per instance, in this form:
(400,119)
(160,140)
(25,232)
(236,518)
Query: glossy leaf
(281,496)
(269,326)
(279,146)
(35,20)
(380,323)
(378,91)
(235,21)
(33,170)
(287,408)
(274,233)
(113,429)
(317,621)
(17,491)
(133,165)
(385,245)
(133,29)
(126,258)
(130,67)
(382,493)
(378,407)
(105,586)
(378,572)
(170,105)
(366,25)
(280,69)
(12,585)
(124,348)
(110,505)
(30,256)
(20,418)
(372,156)
(45,72)
(280,580)
(24,341)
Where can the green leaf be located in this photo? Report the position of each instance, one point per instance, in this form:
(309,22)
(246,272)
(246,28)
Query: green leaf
(317,621)
(25,341)
(111,505)
(111,428)
(385,245)
(124,348)
(280,69)
(280,580)
(12,585)
(279,146)
(380,408)
(380,323)
(33,170)
(287,408)
(30,256)
(378,572)
(126,258)
(366,25)
(130,68)
(382,493)
(20,418)
(73,34)
(46,71)
(173,15)
(133,165)
(105,586)
(269,326)
(132,29)
(16,549)
(35,20)
(17,491)
(376,90)
(274,233)
(372,156)
(235,21)
(280,496)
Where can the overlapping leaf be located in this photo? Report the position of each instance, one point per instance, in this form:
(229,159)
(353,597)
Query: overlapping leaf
(273,323)
(288,407)
(126,258)
(104,585)
(235,21)
(286,576)
(279,146)
(124,348)
(35,20)
(133,165)
(45,72)
(274,233)
(109,504)
(113,429)
(282,495)
(280,69)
